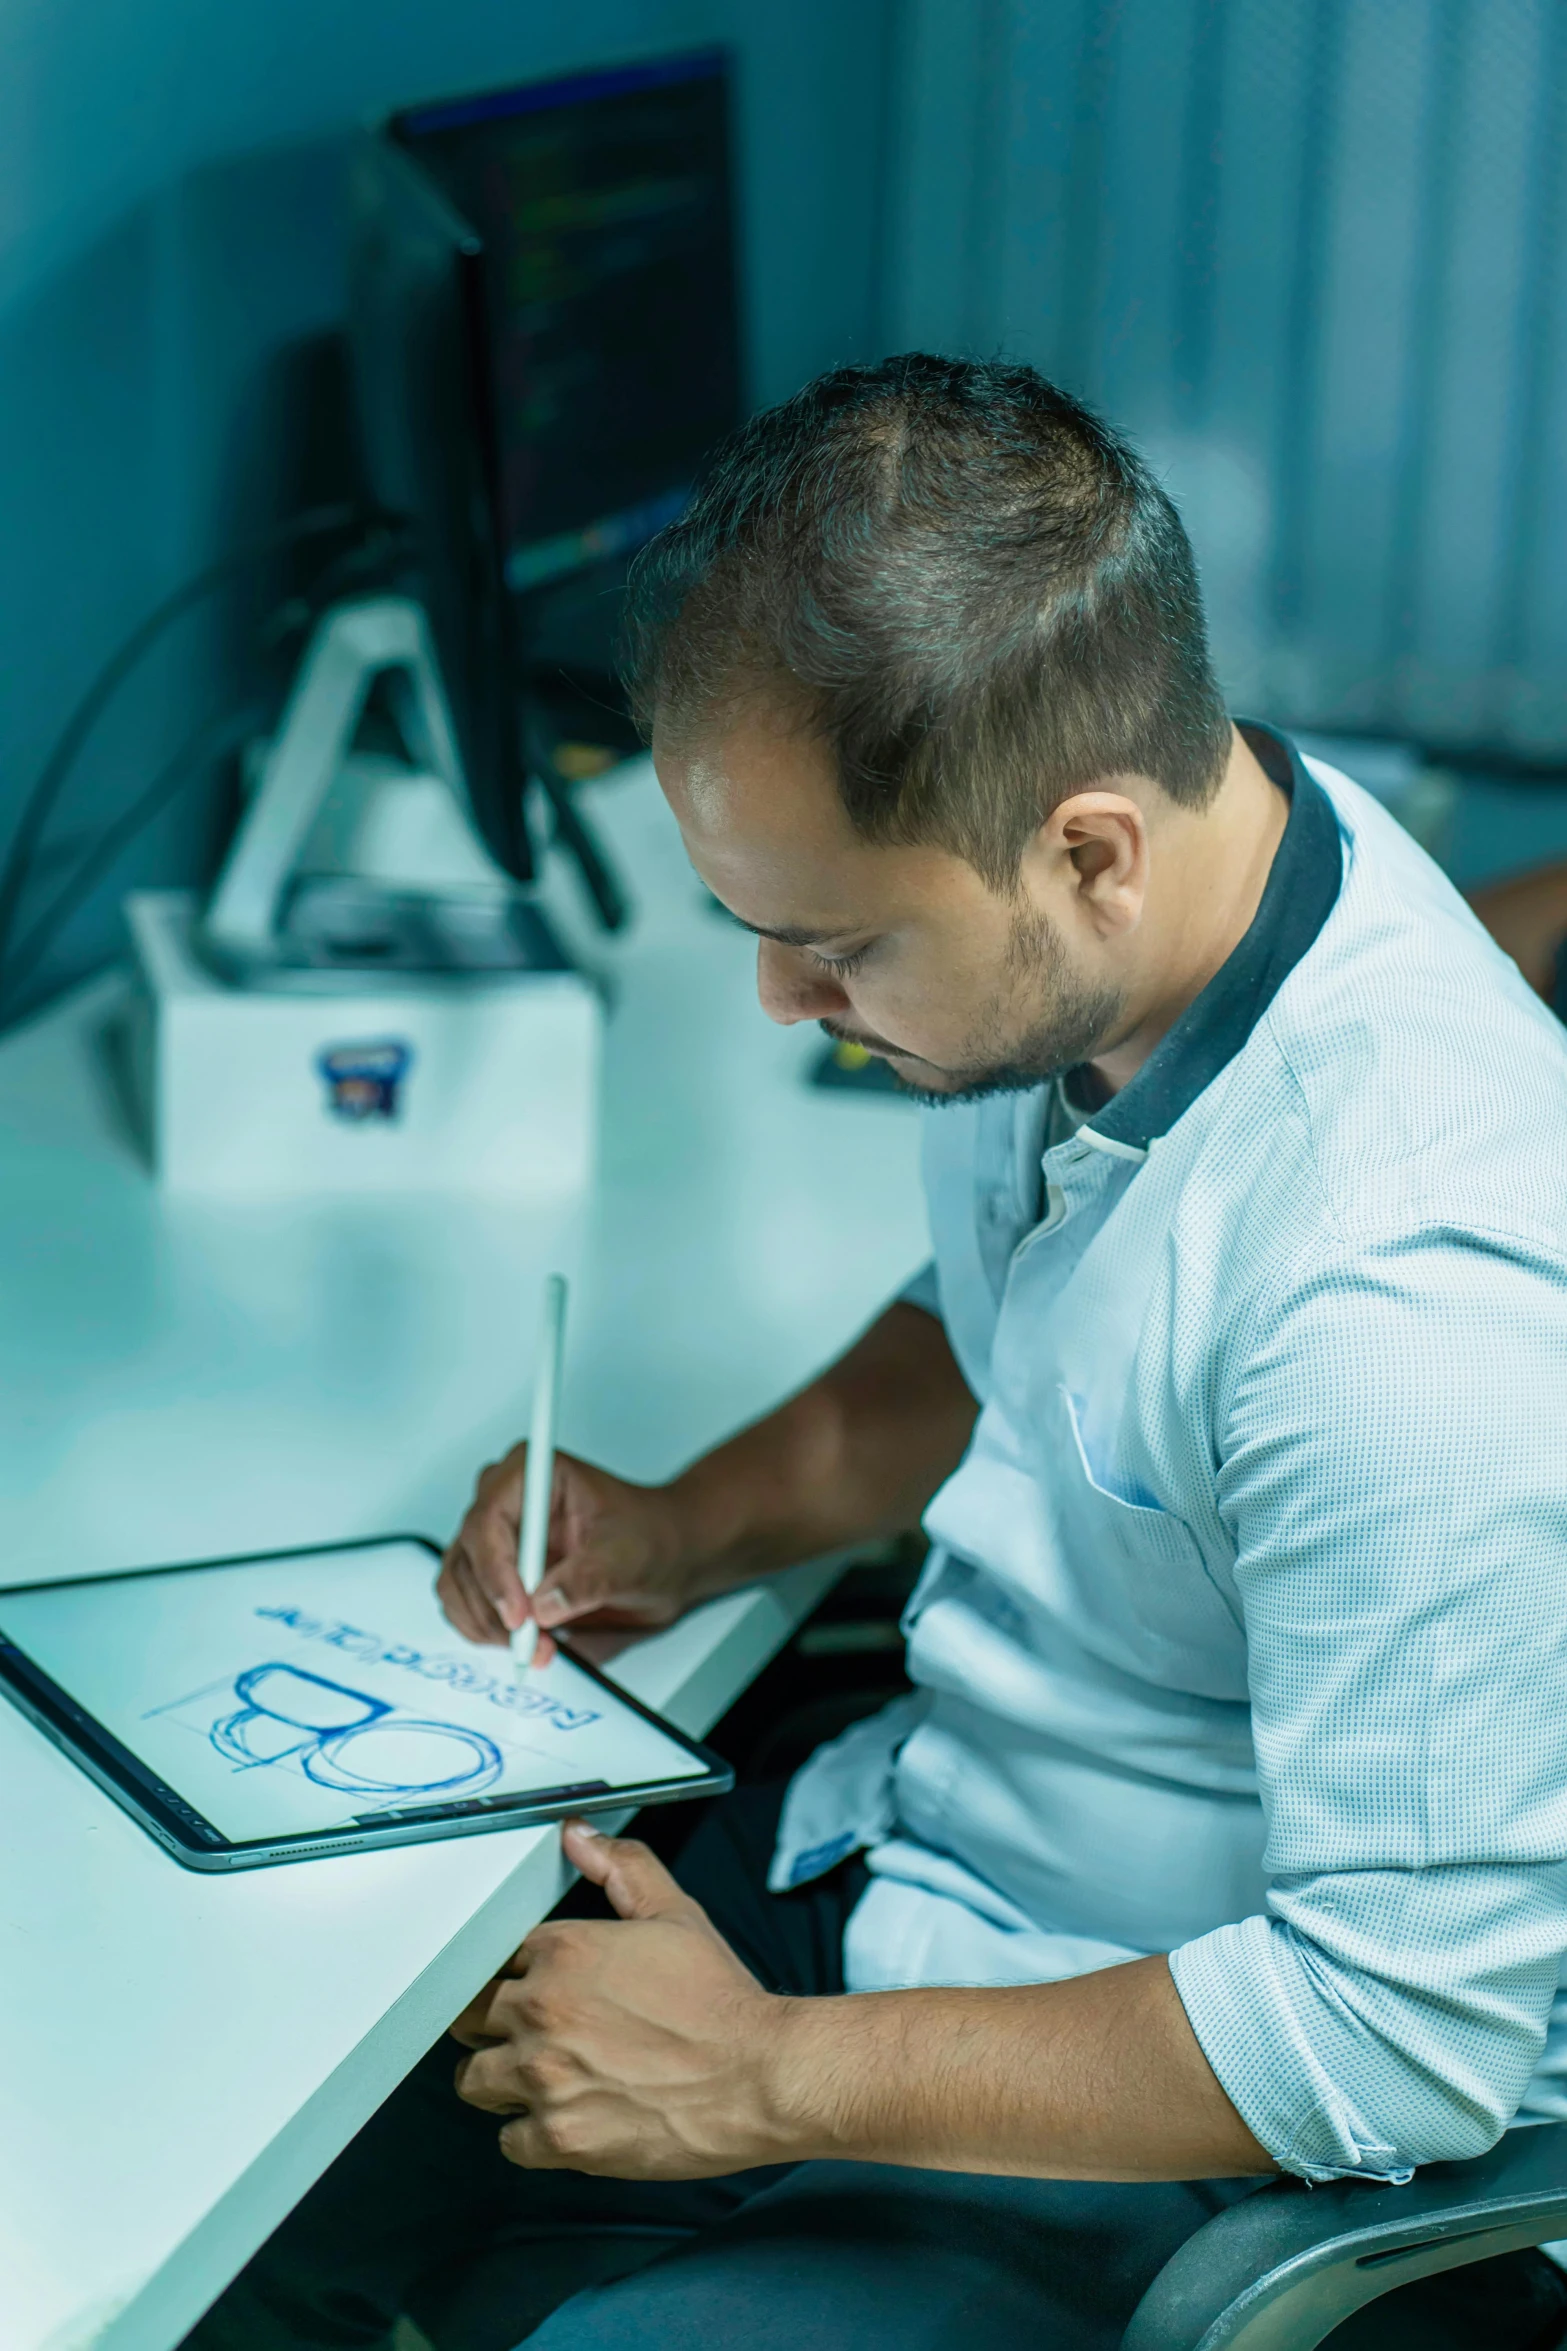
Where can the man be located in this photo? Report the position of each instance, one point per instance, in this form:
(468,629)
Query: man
(1225,1831)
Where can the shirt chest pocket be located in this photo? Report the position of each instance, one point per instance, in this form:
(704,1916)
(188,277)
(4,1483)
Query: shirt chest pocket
(1137,1572)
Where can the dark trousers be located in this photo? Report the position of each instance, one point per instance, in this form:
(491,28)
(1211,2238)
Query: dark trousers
(809,2257)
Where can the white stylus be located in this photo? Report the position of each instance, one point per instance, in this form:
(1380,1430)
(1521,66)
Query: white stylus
(539,1479)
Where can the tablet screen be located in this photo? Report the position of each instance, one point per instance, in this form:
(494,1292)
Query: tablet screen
(308,1692)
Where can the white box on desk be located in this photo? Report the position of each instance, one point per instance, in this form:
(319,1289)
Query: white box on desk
(482,1085)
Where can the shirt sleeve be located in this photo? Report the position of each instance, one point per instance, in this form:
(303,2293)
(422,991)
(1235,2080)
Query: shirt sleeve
(922,1291)
(1392,1468)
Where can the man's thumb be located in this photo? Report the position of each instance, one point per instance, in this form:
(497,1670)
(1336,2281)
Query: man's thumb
(551,1605)
(573,1586)
(634,1878)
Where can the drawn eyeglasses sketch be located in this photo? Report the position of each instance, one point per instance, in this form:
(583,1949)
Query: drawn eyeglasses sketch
(339,1737)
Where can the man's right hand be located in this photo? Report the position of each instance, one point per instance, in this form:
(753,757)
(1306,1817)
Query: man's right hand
(615,1555)
(856,1454)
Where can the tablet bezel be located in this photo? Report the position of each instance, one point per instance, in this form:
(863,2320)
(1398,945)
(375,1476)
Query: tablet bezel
(195,1843)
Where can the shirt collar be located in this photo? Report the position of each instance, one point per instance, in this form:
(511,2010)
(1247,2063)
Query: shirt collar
(1301,891)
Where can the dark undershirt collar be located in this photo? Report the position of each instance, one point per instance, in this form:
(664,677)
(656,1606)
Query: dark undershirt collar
(1301,891)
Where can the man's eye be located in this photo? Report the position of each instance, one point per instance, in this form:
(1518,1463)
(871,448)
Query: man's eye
(842,965)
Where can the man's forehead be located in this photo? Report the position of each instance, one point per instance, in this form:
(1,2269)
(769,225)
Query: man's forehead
(753,777)
(765,826)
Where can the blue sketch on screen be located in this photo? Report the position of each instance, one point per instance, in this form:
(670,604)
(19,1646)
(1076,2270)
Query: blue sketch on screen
(456,1672)
(379,1750)
(344,1739)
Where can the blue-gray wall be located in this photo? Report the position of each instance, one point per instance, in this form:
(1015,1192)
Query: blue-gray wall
(170,242)
(1313,254)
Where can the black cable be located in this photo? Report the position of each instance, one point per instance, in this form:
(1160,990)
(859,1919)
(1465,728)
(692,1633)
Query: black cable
(213,740)
(575,835)
(314,522)
(357,570)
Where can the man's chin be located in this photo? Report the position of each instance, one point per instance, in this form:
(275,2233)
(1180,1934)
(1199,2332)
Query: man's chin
(922,1078)
(925,1081)
(940,1089)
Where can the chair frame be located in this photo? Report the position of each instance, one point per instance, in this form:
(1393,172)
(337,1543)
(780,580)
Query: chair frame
(1284,2267)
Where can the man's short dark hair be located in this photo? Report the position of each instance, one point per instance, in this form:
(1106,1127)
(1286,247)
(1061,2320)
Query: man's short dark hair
(970,587)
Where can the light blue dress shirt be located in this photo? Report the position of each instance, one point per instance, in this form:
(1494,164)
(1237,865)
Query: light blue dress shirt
(1243,1634)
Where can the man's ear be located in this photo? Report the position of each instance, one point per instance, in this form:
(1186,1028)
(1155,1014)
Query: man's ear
(1090,858)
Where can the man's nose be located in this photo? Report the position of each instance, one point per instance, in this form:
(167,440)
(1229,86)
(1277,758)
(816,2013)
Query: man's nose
(792,988)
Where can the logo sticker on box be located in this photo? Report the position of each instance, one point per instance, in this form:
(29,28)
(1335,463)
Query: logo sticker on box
(365,1081)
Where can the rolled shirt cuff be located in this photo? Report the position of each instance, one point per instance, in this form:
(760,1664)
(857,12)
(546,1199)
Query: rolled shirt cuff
(1245,1989)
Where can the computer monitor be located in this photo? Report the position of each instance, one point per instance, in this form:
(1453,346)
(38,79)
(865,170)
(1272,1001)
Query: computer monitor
(544,329)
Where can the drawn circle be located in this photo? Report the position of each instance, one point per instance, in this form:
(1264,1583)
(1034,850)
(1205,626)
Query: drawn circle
(399,1758)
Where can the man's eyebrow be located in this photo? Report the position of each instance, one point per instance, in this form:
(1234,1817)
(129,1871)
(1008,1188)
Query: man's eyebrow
(793,934)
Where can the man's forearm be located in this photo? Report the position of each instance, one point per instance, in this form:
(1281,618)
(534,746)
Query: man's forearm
(857,1454)
(1100,2077)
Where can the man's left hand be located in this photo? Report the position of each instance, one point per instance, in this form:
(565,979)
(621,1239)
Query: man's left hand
(639,2047)
(636,2047)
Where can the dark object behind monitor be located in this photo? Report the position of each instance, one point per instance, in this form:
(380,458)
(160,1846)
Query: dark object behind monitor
(545,342)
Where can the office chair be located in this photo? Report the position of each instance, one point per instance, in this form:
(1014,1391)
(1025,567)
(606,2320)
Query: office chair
(1282,2269)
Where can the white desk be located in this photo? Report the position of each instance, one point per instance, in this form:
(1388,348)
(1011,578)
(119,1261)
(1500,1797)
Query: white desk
(181,2056)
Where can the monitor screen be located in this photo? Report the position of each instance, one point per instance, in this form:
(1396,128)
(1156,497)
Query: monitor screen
(602,208)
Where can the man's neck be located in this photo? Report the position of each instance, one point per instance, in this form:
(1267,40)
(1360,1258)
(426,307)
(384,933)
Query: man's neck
(1210,869)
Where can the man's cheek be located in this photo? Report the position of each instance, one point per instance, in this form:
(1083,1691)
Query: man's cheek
(909,1026)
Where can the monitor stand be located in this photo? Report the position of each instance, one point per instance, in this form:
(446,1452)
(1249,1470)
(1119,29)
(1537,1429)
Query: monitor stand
(270,926)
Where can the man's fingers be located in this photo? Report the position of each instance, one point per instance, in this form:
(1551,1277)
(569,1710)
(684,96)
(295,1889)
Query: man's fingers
(578,1586)
(589,1586)
(494,1571)
(487,1623)
(474,2028)
(488,2079)
(634,1878)
(491,1532)
(525,2141)
(463,1598)
(489,1537)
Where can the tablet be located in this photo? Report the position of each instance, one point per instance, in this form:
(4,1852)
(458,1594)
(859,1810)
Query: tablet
(278,1707)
